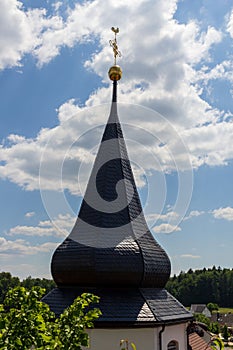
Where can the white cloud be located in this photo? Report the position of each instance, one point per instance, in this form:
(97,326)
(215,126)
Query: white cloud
(21,30)
(221,71)
(57,5)
(166,228)
(56,229)
(31,231)
(170,215)
(171,220)
(14,33)
(193,213)
(159,62)
(230,24)
(210,144)
(59,227)
(223,213)
(190,256)
(22,247)
(29,214)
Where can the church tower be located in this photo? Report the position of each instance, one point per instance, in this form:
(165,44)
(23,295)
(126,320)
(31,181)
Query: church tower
(111,252)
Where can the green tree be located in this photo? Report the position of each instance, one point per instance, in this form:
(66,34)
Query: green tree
(225,332)
(203,319)
(212,307)
(7,282)
(24,319)
(214,327)
(211,326)
(71,325)
(30,282)
(203,286)
(27,323)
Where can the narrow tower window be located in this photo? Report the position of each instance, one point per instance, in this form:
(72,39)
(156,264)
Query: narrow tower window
(173,345)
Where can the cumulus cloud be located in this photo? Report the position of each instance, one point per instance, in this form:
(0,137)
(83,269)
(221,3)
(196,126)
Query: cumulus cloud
(170,221)
(169,216)
(22,247)
(166,228)
(194,214)
(221,71)
(34,163)
(59,227)
(21,30)
(161,58)
(210,144)
(223,213)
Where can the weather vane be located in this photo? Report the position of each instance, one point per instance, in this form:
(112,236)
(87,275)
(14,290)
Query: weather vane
(115,72)
(113,44)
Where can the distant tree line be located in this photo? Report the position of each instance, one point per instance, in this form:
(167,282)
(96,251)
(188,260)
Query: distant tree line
(213,285)
(7,281)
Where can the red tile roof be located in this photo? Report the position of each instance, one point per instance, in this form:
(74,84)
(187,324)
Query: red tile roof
(197,343)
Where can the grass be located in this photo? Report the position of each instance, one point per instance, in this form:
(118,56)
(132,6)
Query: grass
(225,310)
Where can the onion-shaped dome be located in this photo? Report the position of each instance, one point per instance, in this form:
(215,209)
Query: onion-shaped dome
(110,244)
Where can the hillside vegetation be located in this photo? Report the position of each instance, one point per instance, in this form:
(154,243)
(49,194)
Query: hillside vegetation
(203,286)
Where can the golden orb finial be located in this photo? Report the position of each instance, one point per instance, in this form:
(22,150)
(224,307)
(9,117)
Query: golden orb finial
(115,72)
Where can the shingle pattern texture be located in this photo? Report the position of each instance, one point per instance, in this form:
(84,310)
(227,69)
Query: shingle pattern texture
(199,308)
(132,306)
(197,343)
(111,244)
(110,251)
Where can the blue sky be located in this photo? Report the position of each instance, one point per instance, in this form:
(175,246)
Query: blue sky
(175,104)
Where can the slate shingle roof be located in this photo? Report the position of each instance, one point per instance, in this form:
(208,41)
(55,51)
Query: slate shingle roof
(121,306)
(110,243)
(198,308)
(110,251)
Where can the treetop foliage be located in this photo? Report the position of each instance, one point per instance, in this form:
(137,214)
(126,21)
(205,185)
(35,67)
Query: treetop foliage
(213,285)
(7,281)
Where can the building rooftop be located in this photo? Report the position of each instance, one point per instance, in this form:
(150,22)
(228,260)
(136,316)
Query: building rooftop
(197,343)
(124,306)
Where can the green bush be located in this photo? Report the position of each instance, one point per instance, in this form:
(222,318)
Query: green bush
(27,323)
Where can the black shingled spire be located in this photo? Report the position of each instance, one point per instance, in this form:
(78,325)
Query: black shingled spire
(110,251)
(110,244)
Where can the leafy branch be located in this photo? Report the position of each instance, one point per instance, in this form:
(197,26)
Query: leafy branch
(27,323)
